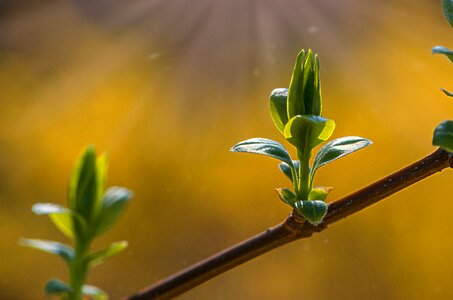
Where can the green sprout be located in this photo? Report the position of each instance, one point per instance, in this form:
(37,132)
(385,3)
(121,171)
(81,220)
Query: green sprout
(443,134)
(91,211)
(296,112)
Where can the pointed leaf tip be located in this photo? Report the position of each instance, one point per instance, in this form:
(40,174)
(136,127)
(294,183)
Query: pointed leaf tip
(263,147)
(338,148)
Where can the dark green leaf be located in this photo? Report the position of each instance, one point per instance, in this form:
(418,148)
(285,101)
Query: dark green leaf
(313,211)
(442,50)
(113,204)
(447,8)
(286,169)
(83,185)
(94,292)
(443,135)
(279,112)
(287,196)
(319,193)
(55,286)
(100,256)
(306,132)
(264,147)
(296,104)
(65,251)
(338,148)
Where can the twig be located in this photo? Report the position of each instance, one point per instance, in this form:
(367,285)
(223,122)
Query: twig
(294,228)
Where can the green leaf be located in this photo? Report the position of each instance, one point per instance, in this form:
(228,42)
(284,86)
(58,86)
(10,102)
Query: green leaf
(447,8)
(279,112)
(94,292)
(62,217)
(264,147)
(83,185)
(313,211)
(296,105)
(62,250)
(449,94)
(56,286)
(113,204)
(443,135)
(113,249)
(442,50)
(286,169)
(306,132)
(319,193)
(338,148)
(287,196)
(101,177)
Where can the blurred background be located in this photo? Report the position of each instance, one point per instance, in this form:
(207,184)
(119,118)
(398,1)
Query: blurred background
(167,87)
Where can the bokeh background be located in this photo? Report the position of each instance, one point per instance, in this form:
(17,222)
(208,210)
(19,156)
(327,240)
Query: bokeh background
(167,87)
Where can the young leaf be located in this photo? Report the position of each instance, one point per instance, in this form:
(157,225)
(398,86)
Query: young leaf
(94,292)
(449,94)
(65,251)
(56,286)
(447,8)
(287,196)
(306,132)
(313,211)
(113,249)
(62,217)
(319,193)
(286,169)
(338,148)
(264,147)
(296,104)
(279,112)
(442,50)
(83,185)
(113,204)
(443,135)
(101,177)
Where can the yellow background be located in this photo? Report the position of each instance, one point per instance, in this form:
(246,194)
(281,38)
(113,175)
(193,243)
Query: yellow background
(167,87)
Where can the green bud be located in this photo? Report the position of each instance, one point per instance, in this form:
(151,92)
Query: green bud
(304,94)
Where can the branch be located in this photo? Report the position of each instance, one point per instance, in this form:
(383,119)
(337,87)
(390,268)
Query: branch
(294,228)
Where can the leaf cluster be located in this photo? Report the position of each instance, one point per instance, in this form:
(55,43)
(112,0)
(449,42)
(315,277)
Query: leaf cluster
(296,112)
(91,211)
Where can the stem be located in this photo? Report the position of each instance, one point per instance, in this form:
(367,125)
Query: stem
(304,173)
(79,269)
(294,228)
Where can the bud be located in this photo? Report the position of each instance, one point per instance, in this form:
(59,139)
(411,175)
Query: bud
(304,94)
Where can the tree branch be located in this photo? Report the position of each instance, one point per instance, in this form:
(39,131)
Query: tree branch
(294,228)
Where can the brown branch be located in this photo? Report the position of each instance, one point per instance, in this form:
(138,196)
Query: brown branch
(294,228)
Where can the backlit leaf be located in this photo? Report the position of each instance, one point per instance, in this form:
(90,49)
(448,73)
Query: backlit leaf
(114,202)
(279,112)
(113,249)
(264,147)
(338,148)
(62,250)
(306,132)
